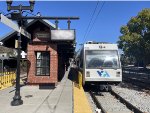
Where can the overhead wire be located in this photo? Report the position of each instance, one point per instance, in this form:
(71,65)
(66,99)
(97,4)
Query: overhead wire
(95,20)
(91,20)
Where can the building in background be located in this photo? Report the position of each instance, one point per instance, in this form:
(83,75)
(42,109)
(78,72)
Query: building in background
(7,59)
(47,55)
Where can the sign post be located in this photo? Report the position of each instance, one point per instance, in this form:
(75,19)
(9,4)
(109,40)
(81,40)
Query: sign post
(17,98)
(64,35)
(14,26)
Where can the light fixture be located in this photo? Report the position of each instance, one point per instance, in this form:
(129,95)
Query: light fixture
(9,1)
(32,1)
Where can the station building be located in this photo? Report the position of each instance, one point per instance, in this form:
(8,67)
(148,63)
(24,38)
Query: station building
(47,59)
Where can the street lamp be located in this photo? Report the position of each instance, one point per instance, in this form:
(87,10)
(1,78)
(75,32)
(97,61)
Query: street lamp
(9,2)
(18,16)
(32,2)
(20,7)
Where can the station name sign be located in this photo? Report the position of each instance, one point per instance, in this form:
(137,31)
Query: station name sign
(42,35)
(62,35)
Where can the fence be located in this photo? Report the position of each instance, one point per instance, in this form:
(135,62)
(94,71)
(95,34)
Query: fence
(136,72)
(7,80)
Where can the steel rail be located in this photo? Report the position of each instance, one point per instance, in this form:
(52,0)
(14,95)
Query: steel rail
(97,102)
(129,105)
(122,100)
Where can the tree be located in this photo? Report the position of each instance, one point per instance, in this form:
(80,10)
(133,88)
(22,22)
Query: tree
(135,38)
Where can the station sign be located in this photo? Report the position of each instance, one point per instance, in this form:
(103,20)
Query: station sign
(42,35)
(14,26)
(62,35)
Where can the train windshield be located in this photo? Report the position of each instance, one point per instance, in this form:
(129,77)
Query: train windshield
(102,59)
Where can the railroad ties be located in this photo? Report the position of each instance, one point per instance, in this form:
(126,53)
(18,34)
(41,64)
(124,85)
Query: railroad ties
(111,102)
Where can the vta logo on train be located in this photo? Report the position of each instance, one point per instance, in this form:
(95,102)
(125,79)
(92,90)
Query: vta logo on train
(103,74)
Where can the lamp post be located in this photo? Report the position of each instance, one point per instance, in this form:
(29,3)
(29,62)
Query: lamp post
(17,98)
(17,16)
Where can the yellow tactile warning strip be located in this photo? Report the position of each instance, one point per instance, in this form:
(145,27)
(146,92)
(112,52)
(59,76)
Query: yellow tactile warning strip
(81,104)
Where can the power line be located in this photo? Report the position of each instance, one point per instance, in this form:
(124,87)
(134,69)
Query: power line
(91,20)
(95,19)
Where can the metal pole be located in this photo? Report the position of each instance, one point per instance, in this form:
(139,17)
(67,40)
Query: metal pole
(2,67)
(56,24)
(69,24)
(17,98)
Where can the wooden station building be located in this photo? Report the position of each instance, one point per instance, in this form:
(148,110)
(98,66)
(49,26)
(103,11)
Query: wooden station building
(47,54)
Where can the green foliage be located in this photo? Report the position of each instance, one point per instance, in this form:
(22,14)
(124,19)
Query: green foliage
(135,38)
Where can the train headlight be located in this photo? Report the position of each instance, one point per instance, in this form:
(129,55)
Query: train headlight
(87,74)
(118,74)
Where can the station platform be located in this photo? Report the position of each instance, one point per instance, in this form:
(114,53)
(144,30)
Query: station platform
(66,97)
(81,104)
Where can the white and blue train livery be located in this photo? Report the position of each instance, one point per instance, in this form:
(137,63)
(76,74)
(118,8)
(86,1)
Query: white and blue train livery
(100,63)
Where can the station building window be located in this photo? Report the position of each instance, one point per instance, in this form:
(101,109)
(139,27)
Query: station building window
(42,63)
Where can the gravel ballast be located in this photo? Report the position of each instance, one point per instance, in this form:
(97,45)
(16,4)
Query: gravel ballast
(111,104)
(139,99)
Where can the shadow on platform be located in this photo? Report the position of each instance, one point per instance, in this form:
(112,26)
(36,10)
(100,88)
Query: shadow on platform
(47,86)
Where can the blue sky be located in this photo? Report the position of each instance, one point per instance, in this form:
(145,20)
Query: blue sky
(106,27)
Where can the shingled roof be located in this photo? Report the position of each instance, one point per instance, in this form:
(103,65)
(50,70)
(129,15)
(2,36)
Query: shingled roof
(62,47)
(28,23)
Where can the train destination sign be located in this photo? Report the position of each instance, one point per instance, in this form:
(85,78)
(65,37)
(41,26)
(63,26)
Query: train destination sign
(14,26)
(62,35)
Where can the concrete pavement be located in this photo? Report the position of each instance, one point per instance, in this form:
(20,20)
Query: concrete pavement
(35,100)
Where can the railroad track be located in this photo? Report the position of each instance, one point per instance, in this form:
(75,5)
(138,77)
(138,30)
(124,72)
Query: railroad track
(111,102)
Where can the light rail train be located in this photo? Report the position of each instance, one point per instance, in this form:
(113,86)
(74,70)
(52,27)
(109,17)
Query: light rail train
(100,64)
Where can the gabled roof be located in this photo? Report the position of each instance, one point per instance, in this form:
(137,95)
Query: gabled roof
(8,35)
(45,22)
(29,23)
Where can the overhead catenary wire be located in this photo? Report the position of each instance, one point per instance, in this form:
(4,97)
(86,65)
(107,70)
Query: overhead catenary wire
(91,20)
(95,20)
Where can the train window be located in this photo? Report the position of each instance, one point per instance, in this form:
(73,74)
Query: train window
(42,63)
(103,58)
